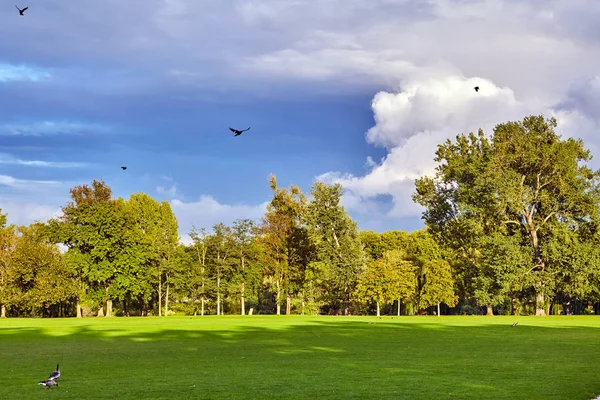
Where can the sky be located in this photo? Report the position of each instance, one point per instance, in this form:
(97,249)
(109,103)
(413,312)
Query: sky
(356,92)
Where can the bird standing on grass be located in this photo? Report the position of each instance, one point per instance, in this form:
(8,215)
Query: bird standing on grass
(515,323)
(22,11)
(238,132)
(55,374)
(49,383)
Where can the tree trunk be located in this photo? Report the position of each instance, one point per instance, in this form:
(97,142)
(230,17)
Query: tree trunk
(378,314)
(108,308)
(202,310)
(159,294)
(243,299)
(302,305)
(514,305)
(399,306)
(108,305)
(288,304)
(78,306)
(278,298)
(218,294)
(539,305)
(490,310)
(438,309)
(101,311)
(538,265)
(3,311)
(167,299)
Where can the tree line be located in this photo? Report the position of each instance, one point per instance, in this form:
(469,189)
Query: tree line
(511,227)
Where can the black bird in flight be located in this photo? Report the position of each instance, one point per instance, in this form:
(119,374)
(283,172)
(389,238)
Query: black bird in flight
(238,132)
(123,168)
(476,88)
(22,11)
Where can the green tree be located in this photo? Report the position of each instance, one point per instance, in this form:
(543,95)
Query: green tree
(336,240)
(92,226)
(407,282)
(438,286)
(220,247)
(283,239)
(526,178)
(502,260)
(386,279)
(199,278)
(243,231)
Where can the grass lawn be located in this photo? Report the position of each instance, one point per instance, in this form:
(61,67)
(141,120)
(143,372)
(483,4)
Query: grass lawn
(302,357)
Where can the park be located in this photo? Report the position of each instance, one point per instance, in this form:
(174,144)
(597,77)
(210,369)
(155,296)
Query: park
(301,357)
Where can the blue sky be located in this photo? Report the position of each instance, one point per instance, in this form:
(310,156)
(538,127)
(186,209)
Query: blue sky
(350,91)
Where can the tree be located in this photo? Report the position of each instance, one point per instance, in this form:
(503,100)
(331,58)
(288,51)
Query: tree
(526,178)
(242,237)
(220,248)
(407,282)
(543,183)
(92,226)
(199,278)
(154,239)
(502,261)
(387,278)
(336,240)
(284,241)
(438,286)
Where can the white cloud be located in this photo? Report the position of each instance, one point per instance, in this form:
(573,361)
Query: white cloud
(43,128)
(25,184)
(28,200)
(207,212)
(26,213)
(8,159)
(12,72)
(412,122)
(171,192)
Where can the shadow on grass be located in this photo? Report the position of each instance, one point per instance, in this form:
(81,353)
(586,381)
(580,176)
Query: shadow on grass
(299,358)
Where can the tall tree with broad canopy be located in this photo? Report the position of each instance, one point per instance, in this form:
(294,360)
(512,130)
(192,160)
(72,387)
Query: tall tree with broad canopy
(157,237)
(92,225)
(524,177)
(337,241)
(284,241)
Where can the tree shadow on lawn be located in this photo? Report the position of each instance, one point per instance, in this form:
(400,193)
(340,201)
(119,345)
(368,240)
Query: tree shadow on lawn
(325,358)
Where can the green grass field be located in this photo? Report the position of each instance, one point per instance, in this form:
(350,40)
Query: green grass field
(302,357)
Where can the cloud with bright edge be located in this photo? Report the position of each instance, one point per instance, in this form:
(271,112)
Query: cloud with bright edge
(412,122)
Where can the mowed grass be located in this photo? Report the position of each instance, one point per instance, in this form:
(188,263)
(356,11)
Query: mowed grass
(302,357)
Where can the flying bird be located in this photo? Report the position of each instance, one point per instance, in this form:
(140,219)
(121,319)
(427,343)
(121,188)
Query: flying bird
(49,383)
(55,374)
(123,168)
(476,88)
(238,132)
(21,11)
